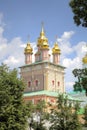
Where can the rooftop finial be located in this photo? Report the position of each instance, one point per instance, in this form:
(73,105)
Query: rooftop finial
(56,37)
(42,34)
(42,23)
(28,37)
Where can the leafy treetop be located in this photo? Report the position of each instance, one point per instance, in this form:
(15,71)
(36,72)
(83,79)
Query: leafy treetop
(79,8)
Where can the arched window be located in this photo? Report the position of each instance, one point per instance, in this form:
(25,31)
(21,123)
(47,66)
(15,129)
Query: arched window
(36,82)
(58,83)
(53,82)
(29,84)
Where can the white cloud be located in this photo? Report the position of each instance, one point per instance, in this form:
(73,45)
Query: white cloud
(14,53)
(69,86)
(11,60)
(67,35)
(67,62)
(11,52)
(64,43)
(81,46)
(84,47)
(23,45)
(72,63)
(3,46)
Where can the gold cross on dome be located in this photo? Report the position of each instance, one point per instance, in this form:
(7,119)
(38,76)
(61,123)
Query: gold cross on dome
(56,37)
(28,37)
(42,23)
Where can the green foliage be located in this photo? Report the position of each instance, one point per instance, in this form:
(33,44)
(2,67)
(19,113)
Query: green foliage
(81,83)
(38,126)
(40,106)
(40,114)
(30,109)
(63,117)
(85,116)
(79,8)
(13,114)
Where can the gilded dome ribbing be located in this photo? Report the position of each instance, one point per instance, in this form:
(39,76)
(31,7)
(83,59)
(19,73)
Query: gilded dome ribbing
(28,49)
(42,40)
(84,59)
(45,45)
(56,49)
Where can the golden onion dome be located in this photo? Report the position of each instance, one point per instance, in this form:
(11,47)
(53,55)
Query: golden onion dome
(42,39)
(56,49)
(45,45)
(84,59)
(28,49)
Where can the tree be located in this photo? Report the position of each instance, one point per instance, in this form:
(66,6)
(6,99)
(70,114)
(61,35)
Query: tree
(81,83)
(13,114)
(64,116)
(85,116)
(41,116)
(79,8)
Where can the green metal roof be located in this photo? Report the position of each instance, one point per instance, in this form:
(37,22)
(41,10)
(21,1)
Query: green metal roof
(49,93)
(44,92)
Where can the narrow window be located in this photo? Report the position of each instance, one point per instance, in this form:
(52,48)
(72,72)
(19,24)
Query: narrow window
(36,82)
(53,82)
(29,84)
(58,83)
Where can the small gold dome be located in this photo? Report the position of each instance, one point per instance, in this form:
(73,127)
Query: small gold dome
(56,49)
(28,49)
(42,40)
(84,59)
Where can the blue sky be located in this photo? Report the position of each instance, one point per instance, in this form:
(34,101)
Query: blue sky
(20,18)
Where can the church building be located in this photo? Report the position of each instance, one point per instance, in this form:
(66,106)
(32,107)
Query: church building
(44,78)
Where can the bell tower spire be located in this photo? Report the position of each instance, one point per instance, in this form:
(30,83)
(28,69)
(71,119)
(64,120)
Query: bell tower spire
(56,53)
(43,47)
(28,51)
